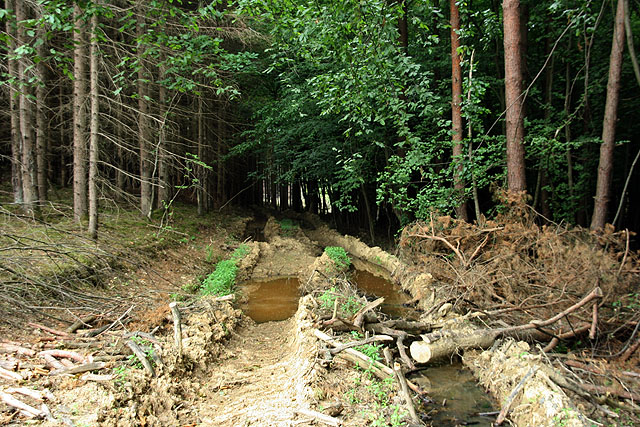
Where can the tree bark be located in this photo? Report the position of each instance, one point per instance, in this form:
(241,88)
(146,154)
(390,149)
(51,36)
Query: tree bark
(16,137)
(143,120)
(164,190)
(79,119)
(28,169)
(94,129)
(605,165)
(42,130)
(516,178)
(456,112)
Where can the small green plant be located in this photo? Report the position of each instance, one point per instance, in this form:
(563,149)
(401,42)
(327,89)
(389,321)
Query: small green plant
(288,227)
(209,253)
(240,252)
(372,349)
(221,281)
(122,373)
(351,306)
(339,257)
(328,298)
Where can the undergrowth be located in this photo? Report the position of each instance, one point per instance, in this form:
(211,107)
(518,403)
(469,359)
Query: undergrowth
(339,257)
(222,280)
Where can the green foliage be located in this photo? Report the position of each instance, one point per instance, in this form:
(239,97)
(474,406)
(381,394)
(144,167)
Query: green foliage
(373,350)
(288,227)
(347,306)
(339,257)
(221,281)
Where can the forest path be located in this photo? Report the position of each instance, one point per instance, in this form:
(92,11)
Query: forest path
(259,381)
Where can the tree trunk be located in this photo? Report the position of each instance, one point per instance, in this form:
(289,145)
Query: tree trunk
(164,191)
(42,132)
(200,186)
(516,178)
(143,121)
(28,169)
(605,166)
(16,137)
(93,129)
(456,112)
(79,119)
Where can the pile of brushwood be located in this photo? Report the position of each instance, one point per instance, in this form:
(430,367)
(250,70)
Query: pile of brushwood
(572,293)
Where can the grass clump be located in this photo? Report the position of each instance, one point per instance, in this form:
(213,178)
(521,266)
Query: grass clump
(288,227)
(348,305)
(223,278)
(339,257)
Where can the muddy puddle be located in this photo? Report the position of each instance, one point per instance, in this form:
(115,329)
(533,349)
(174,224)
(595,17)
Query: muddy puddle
(465,402)
(375,285)
(275,299)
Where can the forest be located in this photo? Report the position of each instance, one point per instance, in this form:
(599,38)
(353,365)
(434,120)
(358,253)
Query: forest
(376,112)
(292,212)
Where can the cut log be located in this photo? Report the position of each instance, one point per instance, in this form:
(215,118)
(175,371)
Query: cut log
(445,344)
(426,351)
(26,410)
(13,348)
(10,375)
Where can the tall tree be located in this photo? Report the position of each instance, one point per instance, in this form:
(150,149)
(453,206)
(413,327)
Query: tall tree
(27,123)
(456,109)
(14,112)
(93,129)
(42,132)
(605,165)
(516,178)
(144,127)
(79,117)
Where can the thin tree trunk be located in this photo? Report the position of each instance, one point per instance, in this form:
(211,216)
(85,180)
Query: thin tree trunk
(143,121)
(516,178)
(28,169)
(456,112)
(41,122)
(93,129)
(16,137)
(567,126)
(164,191)
(605,165)
(79,119)
(200,189)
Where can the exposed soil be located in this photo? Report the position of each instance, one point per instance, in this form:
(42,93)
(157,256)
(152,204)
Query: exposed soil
(234,371)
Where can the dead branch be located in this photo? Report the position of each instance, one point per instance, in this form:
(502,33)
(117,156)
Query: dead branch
(81,322)
(374,338)
(358,318)
(26,410)
(320,417)
(404,390)
(142,357)
(507,405)
(12,348)
(48,329)
(177,328)
(86,367)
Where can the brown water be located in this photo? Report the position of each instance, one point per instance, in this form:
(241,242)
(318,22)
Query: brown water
(378,286)
(275,299)
(463,398)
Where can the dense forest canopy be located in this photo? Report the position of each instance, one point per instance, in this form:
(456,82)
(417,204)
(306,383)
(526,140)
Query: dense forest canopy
(377,112)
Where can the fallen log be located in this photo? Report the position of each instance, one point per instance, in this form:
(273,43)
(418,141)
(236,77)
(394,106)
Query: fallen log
(10,375)
(38,395)
(26,410)
(142,357)
(13,348)
(48,329)
(86,367)
(374,338)
(446,343)
(64,354)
